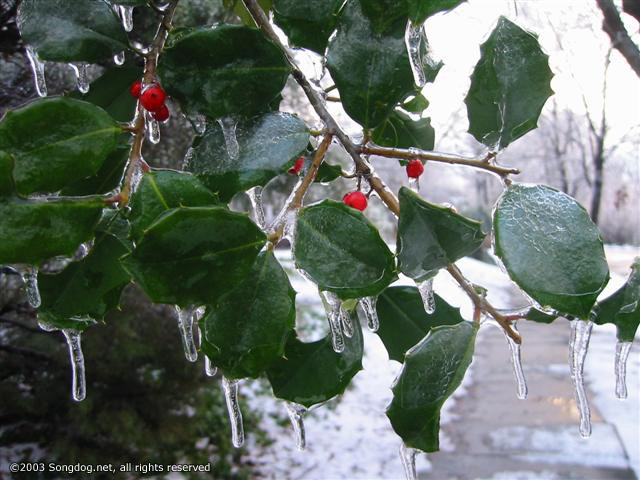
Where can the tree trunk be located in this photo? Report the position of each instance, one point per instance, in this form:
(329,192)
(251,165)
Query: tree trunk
(596,196)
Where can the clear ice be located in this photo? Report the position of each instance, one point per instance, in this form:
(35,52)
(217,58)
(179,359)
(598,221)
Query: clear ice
(414,184)
(185,324)
(368,305)
(79,388)
(426,292)
(296,415)
(413,39)
(29,275)
(230,388)
(82,78)
(37,66)
(126,15)
(622,354)
(578,346)
(153,129)
(228,126)
(209,368)
(255,197)
(408,457)
(516,361)
(119,58)
(199,123)
(333,307)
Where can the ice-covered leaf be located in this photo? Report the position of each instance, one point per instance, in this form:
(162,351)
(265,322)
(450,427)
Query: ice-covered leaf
(33,230)
(432,371)
(431,237)
(403,321)
(7,185)
(539,316)
(90,287)
(420,10)
(417,104)
(328,173)
(237,6)
(162,190)
(401,131)
(106,179)
(342,251)
(622,308)
(78,31)
(312,373)
(385,15)
(307,23)
(221,71)
(246,330)
(550,248)
(193,255)
(370,69)
(509,86)
(266,144)
(114,223)
(56,142)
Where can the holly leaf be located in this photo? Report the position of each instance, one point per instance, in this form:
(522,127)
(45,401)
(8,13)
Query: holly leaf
(7,185)
(193,255)
(328,173)
(342,251)
(106,179)
(308,23)
(622,308)
(56,142)
(265,146)
(385,15)
(163,190)
(222,71)
(420,10)
(32,231)
(247,329)
(401,131)
(370,69)
(430,237)
(241,11)
(539,316)
(550,248)
(417,104)
(509,86)
(79,31)
(403,321)
(432,371)
(312,373)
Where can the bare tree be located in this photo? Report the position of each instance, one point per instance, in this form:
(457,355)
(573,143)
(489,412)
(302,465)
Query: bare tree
(620,39)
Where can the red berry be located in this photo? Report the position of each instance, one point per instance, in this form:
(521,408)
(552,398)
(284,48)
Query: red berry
(415,168)
(136,88)
(152,97)
(162,114)
(356,200)
(297,167)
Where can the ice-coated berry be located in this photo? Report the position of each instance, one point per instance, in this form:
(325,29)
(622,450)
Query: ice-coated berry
(297,166)
(162,114)
(152,97)
(357,200)
(415,168)
(136,88)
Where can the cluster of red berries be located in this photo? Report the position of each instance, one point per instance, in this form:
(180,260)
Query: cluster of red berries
(152,98)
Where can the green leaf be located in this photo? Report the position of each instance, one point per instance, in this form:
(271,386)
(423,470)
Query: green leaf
(106,179)
(241,11)
(78,31)
(56,142)
(267,144)
(132,3)
(403,321)
(111,92)
(163,190)
(509,86)
(33,230)
(622,308)
(221,71)
(550,248)
(417,104)
(307,23)
(420,10)
(193,255)
(401,131)
(88,288)
(432,371)
(342,251)
(370,69)
(385,15)
(312,373)
(430,237)
(115,224)
(55,321)
(247,329)
(539,316)
(328,173)
(7,186)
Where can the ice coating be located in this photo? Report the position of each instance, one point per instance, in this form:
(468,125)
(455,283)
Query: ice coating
(413,39)
(516,361)
(119,58)
(228,126)
(578,347)
(255,197)
(414,184)
(79,388)
(37,67)
(199,123)
(368,305)
(408,458)
(296,415)
(622,354)
(230,388)
(153,129)
(126,15)
(29,275)
(185,324)
(82,78)
(333,307)
(426,292)
(209,368)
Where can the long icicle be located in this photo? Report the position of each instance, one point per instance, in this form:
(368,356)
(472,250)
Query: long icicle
(37,66)
(209,368)
(255,197)
(408,458)
(29,275)
(622,354)
(79,387)
(126,15)
(516,361)
(426,292)
(578,347)
(230,388)
(413,40)
(185,324)
(228,126)
(82,78)
(296,415)
(333,307)
(368,305)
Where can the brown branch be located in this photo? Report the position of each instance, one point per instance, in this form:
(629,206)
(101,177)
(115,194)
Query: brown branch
(620,39)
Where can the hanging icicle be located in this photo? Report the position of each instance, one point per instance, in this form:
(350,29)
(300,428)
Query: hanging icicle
(185,324)
(228,126)
(119,58)
(426,292)
(408,458)
(199,123)
(622,354)
(153,128)
(578,347)
(333,307)
(37,67)
(79,389)
(414,184)
(516,362)
(413,40)
(209,368)
(296,415)
(126,15)
(230,388)
(82,77)
(29,275)
(255,197)
(368,305)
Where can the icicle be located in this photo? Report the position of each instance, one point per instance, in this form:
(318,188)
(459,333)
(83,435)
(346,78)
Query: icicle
(83,250)
(153,129)
(230,388)
(426,292)
(199,123)
(413,39)
(368,305)
(408,457)
(228,126)
(296,415)
(47,327)
(414,184)
(185,324)
(255,196)
(82,78)
(187,158)
(578,346)
(29,275)
(209,368)
(119,58)
(333,307)
(126,15)
(347,326)
(79,389)
(37,66)
(516,361)
(622,354)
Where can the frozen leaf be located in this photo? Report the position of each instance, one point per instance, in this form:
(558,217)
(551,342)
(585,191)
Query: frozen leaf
(401,131)
(420,10)
(417,104)
(106,179)
(7,185)
(328,173)
(307,23)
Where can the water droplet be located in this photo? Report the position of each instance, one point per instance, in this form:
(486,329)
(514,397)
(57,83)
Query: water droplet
(119,58)
(126,15)
(426,292)
(29,275)
(37,67)
(185,324)
(153,129)
(413,39)
(368,305)
(228,126)
(79,388)
(255,197)
(333,307)
(82,78)
(578,347)
(230,388)
(622,354)
(516,362)
(209,368)
(408,458)
(414,184)
(296,415)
